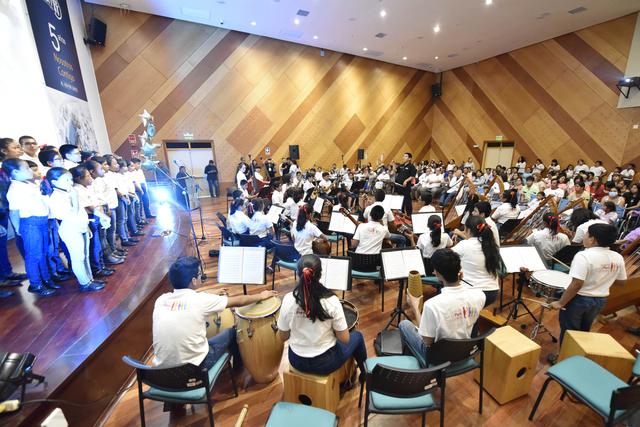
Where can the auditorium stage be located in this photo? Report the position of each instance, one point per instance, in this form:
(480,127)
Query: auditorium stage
(79,338)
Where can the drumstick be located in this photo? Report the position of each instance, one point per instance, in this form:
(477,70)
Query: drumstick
(241,417)
(542,303)
(560,262)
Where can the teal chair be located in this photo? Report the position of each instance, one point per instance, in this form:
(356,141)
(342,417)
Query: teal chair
(285,414)
(397,385)
(182,384)
(331,236)
(284,256)
(367,267)
(599,389)
(635,372)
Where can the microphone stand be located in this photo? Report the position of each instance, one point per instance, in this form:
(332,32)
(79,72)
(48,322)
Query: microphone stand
(192,233)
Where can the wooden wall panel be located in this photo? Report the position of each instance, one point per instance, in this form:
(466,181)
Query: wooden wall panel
(247,93)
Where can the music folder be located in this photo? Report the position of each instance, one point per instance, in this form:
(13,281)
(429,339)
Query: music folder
(318,204)
(420,221)
(242,265)
(274,213)
(339,223)
(398,262)
(517,256)
(393,201)
(336,272)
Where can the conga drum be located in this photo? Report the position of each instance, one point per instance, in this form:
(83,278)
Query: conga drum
(351,314)
(258,340)
(217,322)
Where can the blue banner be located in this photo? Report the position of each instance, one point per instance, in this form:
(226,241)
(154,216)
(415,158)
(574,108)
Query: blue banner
(57,51)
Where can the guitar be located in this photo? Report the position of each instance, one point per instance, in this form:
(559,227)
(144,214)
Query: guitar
(386,243)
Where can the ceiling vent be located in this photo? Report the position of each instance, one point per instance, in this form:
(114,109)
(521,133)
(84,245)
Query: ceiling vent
(302,12)
(381,35)
(577,10)
(375,53)
(453,55)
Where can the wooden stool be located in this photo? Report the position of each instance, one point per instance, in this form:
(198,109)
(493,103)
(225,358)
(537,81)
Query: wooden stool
(510,359)
(321,391)
(601,348)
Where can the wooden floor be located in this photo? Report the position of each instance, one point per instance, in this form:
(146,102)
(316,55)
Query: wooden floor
(462,391)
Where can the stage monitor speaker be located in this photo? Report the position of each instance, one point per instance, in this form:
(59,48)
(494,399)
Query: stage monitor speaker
(294,152)
(436,89)
(360,153)
(97,32)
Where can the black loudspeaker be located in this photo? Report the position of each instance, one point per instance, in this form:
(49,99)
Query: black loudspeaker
(436,89)
(360,153)
(96,33)
(294,152)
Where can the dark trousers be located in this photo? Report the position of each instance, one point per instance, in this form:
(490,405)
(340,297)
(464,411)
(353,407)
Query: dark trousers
(53,249)
(5,264)
(145,200)
(35,235)
(95,245)
(225,340)
(214,189)
(579,314)
(333,358)
(407,203)
(490,298)
(121,216)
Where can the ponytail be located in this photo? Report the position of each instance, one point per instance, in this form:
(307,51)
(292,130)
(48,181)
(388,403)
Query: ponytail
(552,222)
(309,292)
(303,216)
(53,174)
(480,229)
(511,196)
(236,205)
(435,225)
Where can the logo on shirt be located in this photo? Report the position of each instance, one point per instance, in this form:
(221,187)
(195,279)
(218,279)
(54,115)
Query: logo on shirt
(176,306)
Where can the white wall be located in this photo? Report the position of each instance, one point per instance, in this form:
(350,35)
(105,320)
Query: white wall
(24,102)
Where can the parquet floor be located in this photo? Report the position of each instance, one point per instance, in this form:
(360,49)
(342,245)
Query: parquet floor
(462,391)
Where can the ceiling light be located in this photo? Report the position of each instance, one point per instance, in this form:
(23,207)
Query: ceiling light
(383,13)
(315,37)
(296,21)
(404,58)
(365,49)
(436,29)
(253,23)
(488,2)
(436,57)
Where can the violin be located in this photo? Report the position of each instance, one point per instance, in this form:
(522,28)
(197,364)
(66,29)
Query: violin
(403,222)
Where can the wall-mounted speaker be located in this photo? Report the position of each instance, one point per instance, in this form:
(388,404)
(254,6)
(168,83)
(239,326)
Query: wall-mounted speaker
(294,152)
(96,32)
(360,153)
(436,89)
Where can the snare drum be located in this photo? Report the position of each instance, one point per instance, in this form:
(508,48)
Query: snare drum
(549,283)
(217,322)
(350,313)
(258,340)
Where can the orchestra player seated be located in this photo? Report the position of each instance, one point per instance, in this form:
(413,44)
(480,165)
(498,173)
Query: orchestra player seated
(450,314)
(387,219)
(238,222)
(369,235)
(304,232)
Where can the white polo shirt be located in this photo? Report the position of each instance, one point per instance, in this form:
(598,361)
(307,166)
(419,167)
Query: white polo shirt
(238,223)
(547,243)
(259,225)
(494,229)
(303,239)
(581,231)
(472,263)
(35,160)
(113,180)
(307,338)
(599,268)
(452,313)
(427,208)
(73,219)
(386,218)
(505,212)
(370,236)
(277,197)
(26,198)
(426,245)
(86,197)
(179,326)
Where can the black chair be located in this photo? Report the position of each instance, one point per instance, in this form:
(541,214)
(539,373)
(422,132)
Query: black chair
(397,385)
(564,256)
(369,267)
(508,226)
(462,355)
(227,237)
(284,256)
(222,218)
(230,191)
(181,384)
(249,240)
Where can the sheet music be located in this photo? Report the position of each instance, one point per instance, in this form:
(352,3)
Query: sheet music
(335,273)
(393,265)
(460,209)
(420,221)
(393,201)
(413,261)
(515,257)
(318,204)
(241,265)
(274,213)
(341,224)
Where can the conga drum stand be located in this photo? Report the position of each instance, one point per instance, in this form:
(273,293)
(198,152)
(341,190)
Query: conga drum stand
(398,311)
(513,312)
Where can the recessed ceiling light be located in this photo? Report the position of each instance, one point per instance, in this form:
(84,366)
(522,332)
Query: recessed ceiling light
(365,49)
(296,21)
(404,58)
(315,37)
(253,23)
(436,57)
(436,29)
(383,13)
(488,2)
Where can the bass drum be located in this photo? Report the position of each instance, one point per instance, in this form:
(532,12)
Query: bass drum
(217,322)
(351,314)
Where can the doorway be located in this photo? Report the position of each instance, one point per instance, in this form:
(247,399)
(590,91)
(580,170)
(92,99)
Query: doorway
(497,153)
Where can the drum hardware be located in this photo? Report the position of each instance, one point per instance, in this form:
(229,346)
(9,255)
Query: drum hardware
(518,301)
(549,284)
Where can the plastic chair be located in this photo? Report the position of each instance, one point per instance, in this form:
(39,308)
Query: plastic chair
(230,191)
(222,218)
(462,356)
(367,266)
(227,238)
(609,396)
(397,385)
(284,256)
(285,414)
(249,240)
(635,372)
(181,384)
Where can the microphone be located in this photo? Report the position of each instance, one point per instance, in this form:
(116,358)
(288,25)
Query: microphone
(175,162)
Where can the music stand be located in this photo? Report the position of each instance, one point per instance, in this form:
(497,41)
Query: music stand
(340,281)
(396,266)
(240,265)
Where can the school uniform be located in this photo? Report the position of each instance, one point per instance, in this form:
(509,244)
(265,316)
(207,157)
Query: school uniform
(547,243)
(303,239)
(277,198)
(505,212)
(260,225)
(238,223)
(475,273)
(25,198)
(115,182)
(599,268)
(108,199)
(582,229)
(386,218)
(425,244)
(370,236)
(313,346)
(88,199)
